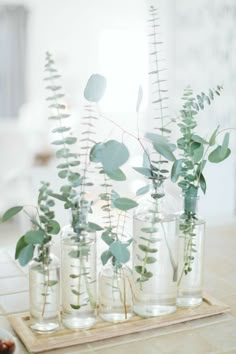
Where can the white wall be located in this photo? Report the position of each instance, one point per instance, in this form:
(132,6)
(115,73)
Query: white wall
(195,36)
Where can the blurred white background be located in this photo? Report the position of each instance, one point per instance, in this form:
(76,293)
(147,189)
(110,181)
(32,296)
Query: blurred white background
(110,37)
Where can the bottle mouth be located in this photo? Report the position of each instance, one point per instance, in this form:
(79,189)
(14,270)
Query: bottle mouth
(190,204)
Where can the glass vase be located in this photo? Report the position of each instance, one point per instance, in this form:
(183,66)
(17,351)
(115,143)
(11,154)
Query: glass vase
(191,254)
(44,291)
(78,271)
(115,293)
(155,248)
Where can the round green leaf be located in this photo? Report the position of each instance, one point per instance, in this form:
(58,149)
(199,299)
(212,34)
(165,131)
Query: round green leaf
(95,88)
(114,155)
(111,154)
(120,251)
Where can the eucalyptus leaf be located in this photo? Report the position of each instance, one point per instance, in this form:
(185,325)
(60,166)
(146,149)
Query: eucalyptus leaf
(96,152)
(105,256)
(26,254)
(74,178)
(202,182)
(143,190)
(165,150)
(176,170)
(198,153)
(21,243)
(140,269)
(144,171)
(147,249)
(95,88)
(114,155)
(198,139)
(216,155)
(201,166)
(58,196)
(212,139)
(61,129)
(75,307)
(106,238)
(63,173)
(11,212)
(125,204)
(94,227)
(114,195)
(70,140)
(34,237)
(225,144)
(120,252)
(116,175)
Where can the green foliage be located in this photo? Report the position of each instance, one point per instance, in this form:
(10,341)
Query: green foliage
(43,226)
(111,155)
(155,165)
(11,212)
(194,149)
(94,227)
(162,146)
(187,171)
(73,190)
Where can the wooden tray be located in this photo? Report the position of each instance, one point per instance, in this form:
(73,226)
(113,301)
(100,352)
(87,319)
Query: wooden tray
(102,330)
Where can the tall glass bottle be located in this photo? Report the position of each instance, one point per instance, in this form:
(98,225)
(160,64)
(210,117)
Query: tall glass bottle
(115,293)
(44,291)
(191,253)
(155,248)
(79,286)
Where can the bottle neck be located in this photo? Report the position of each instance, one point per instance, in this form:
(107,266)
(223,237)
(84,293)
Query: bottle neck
(190,204)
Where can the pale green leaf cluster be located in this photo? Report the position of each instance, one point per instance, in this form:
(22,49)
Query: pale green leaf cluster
(43,224)
(73,168)
(111,155)
(195,150)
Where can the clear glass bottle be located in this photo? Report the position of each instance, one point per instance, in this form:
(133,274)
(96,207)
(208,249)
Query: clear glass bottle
(44,291)
(155,248)
(191,254)
(115,293)
(79,286)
